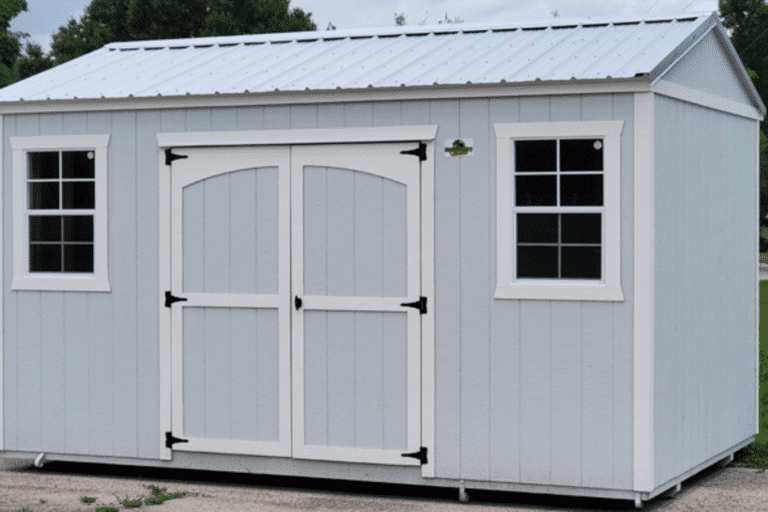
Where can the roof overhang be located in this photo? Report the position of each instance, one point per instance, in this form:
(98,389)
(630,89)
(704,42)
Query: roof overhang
(433,92)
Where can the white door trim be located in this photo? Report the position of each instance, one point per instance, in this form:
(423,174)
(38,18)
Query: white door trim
(304,136)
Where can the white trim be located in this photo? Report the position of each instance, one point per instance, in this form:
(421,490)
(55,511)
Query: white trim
(164,316)
(381,160)
(757,281)
(2,296)
(602,86)
(705,99)
(509,288)
(24,280)
(307,136)
(644,293)
(428,320)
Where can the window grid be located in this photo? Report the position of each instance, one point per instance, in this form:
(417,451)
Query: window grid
(556,209)
(74,263)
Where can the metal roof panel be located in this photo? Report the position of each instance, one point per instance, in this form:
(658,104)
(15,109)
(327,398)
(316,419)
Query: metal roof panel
(584,49)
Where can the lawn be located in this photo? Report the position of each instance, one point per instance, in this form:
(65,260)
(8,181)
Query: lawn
(756,454)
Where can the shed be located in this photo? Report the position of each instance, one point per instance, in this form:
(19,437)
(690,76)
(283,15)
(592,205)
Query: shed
(517,258)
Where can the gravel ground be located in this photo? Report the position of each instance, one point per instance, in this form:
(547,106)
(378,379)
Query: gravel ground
(62,485)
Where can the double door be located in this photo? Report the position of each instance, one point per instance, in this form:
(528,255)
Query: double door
(298,269)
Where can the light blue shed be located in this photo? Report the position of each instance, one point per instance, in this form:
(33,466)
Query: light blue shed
(517,258)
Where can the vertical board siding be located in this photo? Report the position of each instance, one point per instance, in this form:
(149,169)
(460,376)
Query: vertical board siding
(448,412)
(705,313)
(228,253)
(228,354)
(522,394)
(504,349)
(474,184)
(355,386)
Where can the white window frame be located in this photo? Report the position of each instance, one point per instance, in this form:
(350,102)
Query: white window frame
(608,288)
(23,279)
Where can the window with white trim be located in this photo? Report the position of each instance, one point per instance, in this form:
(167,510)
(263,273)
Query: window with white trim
(60,225)
(558,210)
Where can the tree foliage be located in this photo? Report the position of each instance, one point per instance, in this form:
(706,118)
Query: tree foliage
(107,21)
(748,22)
(10,42)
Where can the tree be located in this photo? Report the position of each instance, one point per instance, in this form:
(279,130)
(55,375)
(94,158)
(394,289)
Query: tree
(32,61)
(10,42)
(107,21)
(748,21)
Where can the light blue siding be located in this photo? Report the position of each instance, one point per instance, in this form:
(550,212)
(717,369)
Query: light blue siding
(230,233)
(230,373)
(355,379)
(704,336)
(707,68)
(518,382)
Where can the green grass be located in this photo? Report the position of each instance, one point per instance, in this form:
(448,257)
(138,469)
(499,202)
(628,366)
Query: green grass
(756,454)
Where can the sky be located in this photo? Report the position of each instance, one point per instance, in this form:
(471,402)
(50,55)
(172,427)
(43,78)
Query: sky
(44,17)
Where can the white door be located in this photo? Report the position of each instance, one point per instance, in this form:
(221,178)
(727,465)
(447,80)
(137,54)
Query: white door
(356,346)
(230,339)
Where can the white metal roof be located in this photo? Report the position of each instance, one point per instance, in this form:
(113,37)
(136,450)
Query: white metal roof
(448,55)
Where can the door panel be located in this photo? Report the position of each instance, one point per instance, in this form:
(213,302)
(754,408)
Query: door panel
(356,349)
(355,234)
(230,338)
(231,384)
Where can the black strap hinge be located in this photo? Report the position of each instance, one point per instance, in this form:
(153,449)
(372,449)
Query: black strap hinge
(420,304)
(170,156)
(170,299)
(420,152)
(421,455)
(170,440)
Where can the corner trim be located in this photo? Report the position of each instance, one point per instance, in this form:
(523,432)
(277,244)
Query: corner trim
(643,328)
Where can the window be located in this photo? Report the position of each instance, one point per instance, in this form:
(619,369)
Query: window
(60,227)
(558,211)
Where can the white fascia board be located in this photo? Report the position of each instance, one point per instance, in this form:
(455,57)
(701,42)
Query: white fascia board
(628,86)
(705,99)
(302,136)
(715,26)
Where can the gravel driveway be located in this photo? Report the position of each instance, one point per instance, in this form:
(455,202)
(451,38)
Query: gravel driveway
(62,485)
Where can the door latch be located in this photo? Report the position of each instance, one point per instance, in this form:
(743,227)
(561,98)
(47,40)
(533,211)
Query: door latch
(297,302)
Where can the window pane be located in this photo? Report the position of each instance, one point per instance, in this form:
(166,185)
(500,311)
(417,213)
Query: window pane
(44,228)
(537,228)
(581,228)
(45,258)
(43,165)
(535,190)
(581,190)
(76,164)
(535,156)
(78,228)
(78,195)
(581,155)
(44,196)
(536,261)
(581,262)
(78,258)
